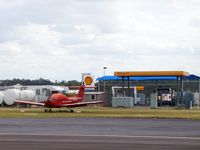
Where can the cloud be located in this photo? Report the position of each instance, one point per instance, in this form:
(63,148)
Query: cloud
(61,39)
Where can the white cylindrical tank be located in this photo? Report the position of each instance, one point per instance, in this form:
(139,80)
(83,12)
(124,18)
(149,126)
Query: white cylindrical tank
(11,95)
(1,96)
(27,95)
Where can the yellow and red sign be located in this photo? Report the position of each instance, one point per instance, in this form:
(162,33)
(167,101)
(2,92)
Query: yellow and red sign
(88,80)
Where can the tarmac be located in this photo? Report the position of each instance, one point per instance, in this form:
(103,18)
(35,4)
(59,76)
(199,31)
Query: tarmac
(99,134)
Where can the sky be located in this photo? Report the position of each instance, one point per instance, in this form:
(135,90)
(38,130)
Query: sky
(60,39)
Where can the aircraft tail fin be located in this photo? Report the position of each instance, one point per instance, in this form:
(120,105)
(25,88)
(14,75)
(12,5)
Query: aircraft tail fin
(81,91)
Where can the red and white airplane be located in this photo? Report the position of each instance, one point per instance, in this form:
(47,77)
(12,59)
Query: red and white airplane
(59,100)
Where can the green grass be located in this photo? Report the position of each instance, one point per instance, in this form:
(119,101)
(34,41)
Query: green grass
(137,112)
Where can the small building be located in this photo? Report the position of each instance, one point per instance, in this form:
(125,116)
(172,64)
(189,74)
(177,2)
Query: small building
(178,81)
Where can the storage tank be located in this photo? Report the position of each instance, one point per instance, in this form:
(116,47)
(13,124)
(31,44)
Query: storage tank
(1,97)
(27,95)
(11,95)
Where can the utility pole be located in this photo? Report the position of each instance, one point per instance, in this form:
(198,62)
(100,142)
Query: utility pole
(104,73)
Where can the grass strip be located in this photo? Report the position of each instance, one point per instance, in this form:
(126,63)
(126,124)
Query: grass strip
(107,112)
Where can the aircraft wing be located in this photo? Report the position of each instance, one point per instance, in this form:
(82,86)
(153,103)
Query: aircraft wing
(81,104)
(28,102)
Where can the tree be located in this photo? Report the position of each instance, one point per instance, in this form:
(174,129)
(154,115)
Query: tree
(73,83)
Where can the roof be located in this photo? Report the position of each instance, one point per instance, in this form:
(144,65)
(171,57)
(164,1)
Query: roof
(151,73)
(193,77)
(93,93)
(115,78)
(57,88)
(138,78)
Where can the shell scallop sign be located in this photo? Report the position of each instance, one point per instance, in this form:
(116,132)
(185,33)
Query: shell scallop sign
(88,80)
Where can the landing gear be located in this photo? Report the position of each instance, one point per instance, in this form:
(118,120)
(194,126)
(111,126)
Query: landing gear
(47,110)
(70,110)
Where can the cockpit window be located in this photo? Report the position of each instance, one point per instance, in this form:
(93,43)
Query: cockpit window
(50,99)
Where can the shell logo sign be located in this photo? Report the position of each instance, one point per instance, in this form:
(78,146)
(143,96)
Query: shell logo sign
(88,80)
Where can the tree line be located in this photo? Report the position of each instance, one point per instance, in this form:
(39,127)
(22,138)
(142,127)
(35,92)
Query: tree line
(40,81)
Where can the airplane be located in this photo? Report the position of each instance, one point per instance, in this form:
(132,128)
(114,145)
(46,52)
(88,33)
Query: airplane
(59,100)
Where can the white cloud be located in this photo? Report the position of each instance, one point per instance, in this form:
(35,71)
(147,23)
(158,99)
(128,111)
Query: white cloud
(61,39)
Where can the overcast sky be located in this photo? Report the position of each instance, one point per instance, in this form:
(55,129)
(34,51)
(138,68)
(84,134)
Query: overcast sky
(60,39)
